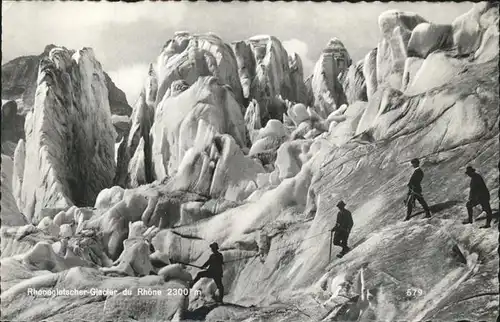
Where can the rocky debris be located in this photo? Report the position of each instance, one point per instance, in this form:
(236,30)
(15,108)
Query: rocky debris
(187,57)
(325,83)
(354,83)
(177,117)
(75,159)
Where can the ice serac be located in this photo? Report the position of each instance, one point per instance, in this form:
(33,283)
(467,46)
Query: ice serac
(177,116)
(69,135)
(489,48)
(272,75)
(216,167)
(341,56)
(246,65)
(325,83)
(11,216)
(396,28)
(19,84)
(18,171)
(354,83)
(428,37)
(470,30)
(188,56)
(297,78)
(370,72)
(141,122)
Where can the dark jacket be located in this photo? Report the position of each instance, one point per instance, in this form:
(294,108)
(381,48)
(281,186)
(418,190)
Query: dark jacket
(344,220)
(478,189)
(215,263)
(415,181)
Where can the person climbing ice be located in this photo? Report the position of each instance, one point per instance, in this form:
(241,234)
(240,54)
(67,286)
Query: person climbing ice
(415,191)
(214,271)
(478,195)
(342,228)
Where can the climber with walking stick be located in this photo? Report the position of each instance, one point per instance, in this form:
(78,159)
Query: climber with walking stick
(342,228)
(415,191)
(214,271)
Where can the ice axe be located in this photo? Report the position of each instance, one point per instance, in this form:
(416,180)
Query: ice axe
(179,262)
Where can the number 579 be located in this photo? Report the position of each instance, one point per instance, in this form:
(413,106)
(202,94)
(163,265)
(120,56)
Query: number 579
(414,292)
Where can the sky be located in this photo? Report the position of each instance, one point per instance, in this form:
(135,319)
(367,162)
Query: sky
(126,37)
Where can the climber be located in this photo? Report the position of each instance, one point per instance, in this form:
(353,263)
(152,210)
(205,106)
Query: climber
(415,191)
(478,195)
(342,228)
(214,270)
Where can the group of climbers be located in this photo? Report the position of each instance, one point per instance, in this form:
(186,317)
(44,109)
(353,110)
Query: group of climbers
(478,195)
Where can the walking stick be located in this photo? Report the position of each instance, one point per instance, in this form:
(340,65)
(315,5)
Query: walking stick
(179,262)
(330,253)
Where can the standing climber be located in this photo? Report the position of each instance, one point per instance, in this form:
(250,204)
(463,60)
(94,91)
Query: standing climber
(415,191)
(478,195)
(342,228)
(214,270)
